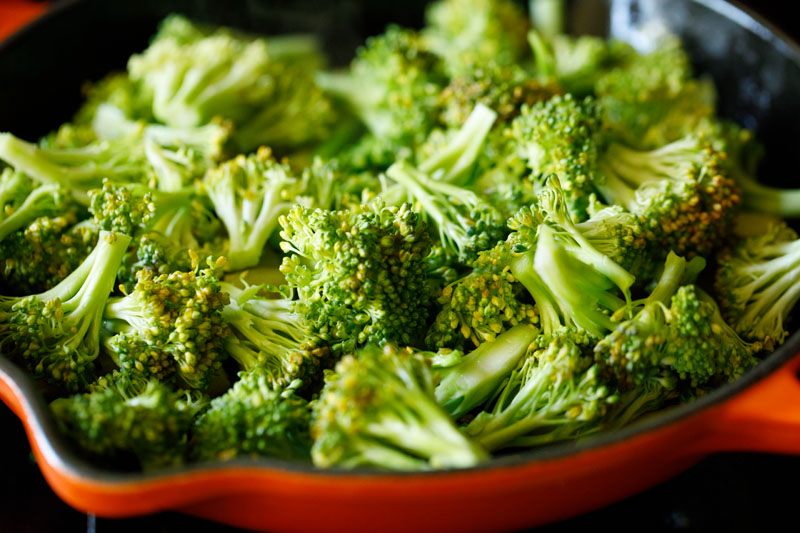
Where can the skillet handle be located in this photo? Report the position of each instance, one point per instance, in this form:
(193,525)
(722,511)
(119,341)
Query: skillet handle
(763,418)
(16,13)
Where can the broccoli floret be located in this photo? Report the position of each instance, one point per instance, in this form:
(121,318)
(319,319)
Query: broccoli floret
(78,169)
(393,86)
(572,283)
(39,256)
(254,418)
(480,306)
(700,329)
(757,284)
(466,223)
(502,88)
(378,409)
(15,187)
(560,136)
(637,351)
(652,99)
(676,339)
(360,274)
(454,160)
(249,195)
(177,314)
(151,421)
(56,334)
(119,91)
(265,86)
(556,393)
(577,62)
(43,201)
(466,32)
(681,192)
(268,334)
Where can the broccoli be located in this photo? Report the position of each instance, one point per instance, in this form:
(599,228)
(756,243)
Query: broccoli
(572,283)
(637,351)
(268,334)
(56,334)
(249,195)
(453,161)
(177,315)
(378,409)
(254,418)
(466,223)
(77,169)
(577,62)
(393,86)
(757,284)
(478,375)
(681,193)
(480,305)
(651,100)
(146,419)
(42,254)
(359,275)
(467,32)
(560,136)
(119,91)
(264,86)
(556,393)
(503,88)
(676,339)
(15,187)
(43,201)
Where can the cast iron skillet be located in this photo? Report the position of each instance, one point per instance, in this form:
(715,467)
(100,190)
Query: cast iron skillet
(757,72)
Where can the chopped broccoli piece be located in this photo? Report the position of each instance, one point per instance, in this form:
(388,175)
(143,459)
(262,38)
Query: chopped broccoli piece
(466,32)
(151,421)
(378,409)
(254,418)
(268,334)
(249,195)
(757,284)
(179,314)
(56,334)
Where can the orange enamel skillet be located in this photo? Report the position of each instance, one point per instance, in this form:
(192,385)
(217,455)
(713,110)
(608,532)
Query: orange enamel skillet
(759,412)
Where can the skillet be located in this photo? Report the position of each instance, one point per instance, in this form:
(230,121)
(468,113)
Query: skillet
(757,72)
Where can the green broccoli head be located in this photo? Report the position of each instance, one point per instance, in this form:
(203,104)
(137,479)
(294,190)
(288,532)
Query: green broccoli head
(653,99)
(393,86)
(268,334)
(555,393)
(179,314)
(560,136)
(249,194)
(360,274)
(254,418)
(503,88)
(756,284)
(56,334)
(378,409)
(148,420)
(466,32)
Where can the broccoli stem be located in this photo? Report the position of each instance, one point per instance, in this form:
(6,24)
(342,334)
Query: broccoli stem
(780,202)
(40,202)
(428,434)
(46,165)
(471,382)
(452,163)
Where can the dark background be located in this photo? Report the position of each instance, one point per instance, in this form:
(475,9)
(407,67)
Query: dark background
(727,492)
